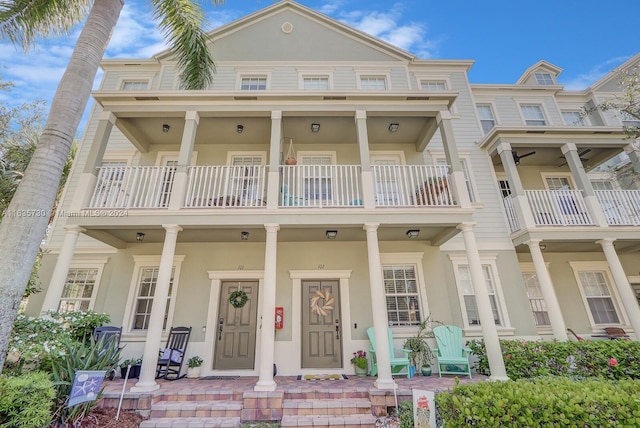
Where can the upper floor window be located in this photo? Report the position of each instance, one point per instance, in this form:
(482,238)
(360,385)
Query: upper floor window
(602,185)
(533,114)
(573,118)
(629,121)
(135,85)
(485,112)
(373,83)
(316,83)
(544,79)
(253,83)
(433,85)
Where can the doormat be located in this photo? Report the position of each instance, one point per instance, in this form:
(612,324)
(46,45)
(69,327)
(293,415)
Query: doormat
(323,377)
(219,377)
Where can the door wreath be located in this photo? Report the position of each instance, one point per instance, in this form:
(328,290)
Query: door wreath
(238,298)
(325,309)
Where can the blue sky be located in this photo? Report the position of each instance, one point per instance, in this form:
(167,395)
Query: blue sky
(586,38)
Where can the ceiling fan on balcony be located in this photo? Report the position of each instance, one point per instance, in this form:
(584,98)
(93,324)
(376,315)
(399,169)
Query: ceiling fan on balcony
(580,154)
(516,157)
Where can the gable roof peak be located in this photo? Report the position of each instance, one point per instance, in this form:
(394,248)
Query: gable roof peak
(540,65)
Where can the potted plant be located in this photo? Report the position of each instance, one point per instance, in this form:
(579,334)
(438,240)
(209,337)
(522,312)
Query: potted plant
(421,353)
(193,367)
(360,362)
(135,364)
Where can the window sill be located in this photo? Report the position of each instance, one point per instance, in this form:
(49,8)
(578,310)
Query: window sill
(477,331)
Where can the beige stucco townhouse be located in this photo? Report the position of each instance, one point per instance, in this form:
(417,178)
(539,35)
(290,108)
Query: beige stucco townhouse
(413,193)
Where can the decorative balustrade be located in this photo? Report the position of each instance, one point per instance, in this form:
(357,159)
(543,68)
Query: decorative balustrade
(412,185)
(321,186)
(512,217)
(226,186)
(133,187)
(620,207)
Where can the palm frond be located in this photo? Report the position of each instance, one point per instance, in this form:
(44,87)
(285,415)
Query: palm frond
(24,21)
(181,22)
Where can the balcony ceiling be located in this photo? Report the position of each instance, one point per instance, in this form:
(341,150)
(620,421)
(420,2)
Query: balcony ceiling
(552,157)
(335,129)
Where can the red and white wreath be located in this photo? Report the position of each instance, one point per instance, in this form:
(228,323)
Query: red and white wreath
(325,309)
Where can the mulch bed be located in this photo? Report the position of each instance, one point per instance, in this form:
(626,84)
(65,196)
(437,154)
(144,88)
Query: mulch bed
(105,417)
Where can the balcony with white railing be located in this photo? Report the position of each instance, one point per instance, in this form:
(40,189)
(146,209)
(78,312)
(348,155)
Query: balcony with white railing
(412,186)
(510,210)
(620,207)
(226,186)
(321,186)
(558,208)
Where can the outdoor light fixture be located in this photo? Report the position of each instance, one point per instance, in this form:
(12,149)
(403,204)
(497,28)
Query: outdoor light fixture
(244,236)
(315,127)
(331,234)
(413,233)
(165,127)
(543,247)
(239,129)
(393,127)
(140,236)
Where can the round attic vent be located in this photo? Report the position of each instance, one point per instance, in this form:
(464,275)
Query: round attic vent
(287,27)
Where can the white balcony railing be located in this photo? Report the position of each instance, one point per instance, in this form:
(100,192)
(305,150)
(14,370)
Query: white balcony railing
(512,217)
(226,186)
(558,208)
(620,207)
(133,187)
(412,185)
(321,186)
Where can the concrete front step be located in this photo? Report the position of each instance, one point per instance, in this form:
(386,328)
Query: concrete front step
(347,421)
(191,423)
(330,407)
(199,409)
(320,394)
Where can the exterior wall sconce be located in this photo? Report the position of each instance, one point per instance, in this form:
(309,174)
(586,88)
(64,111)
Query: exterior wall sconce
(239,129)
(331,234)
(543,247)
(244,236)
(393,127)
(413,233)
(165,127)
(315,127)
(140,236)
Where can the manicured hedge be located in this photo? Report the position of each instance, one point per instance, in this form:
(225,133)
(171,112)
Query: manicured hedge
(611,359)
(550,402)
(26,401)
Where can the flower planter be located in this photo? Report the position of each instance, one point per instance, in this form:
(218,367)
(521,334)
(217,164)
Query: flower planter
(426,371)
(193,372)
(133,373)
(361,371)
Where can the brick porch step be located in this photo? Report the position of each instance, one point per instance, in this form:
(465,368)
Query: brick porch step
(199,408)
(191,423)
(347,421)
(330,407)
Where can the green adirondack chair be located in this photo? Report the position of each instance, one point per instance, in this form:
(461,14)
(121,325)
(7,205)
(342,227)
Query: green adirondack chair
(451,355)
(397,363)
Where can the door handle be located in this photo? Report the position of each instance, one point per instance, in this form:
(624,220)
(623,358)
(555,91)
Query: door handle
(220,327)
(337,329)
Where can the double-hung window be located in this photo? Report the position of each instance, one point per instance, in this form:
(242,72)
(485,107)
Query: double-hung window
(135,85)
(573,118)
(536,300)
(315,83)
(487,120)
(595,287)
(253,83)
(373,83)
(404,288)
(433,85)
(533,115)
(544,79)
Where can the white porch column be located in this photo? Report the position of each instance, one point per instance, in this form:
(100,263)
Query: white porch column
(59,276)
(379,309)
(558,326)
(89,175)
(153,340)
(570,152)
(267,322)
(520,202)
(273,173)
(458,182)
(622,284)
(180,180)
(368,183)
(489,330)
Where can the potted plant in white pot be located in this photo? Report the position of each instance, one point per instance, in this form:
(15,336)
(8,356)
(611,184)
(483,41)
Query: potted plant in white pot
(421,354)
(360,362)
(193,367)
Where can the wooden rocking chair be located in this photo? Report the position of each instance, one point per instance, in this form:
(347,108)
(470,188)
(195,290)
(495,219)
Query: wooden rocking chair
(171,357)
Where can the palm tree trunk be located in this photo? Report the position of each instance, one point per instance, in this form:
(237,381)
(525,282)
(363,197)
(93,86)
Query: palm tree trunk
(25,222)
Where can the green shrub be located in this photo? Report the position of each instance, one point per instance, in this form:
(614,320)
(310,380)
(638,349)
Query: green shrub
(405,414)
(542,402)
(79,356)
(34,340)
(26,401)
(584,359)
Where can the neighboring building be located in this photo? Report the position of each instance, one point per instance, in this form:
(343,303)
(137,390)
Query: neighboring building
(415,193)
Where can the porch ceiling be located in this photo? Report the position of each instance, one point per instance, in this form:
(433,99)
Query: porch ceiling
(155,234)
(626,241)
(334,129)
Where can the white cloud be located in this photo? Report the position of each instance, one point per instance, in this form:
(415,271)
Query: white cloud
(330,7)
(588,78)
(135,33)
